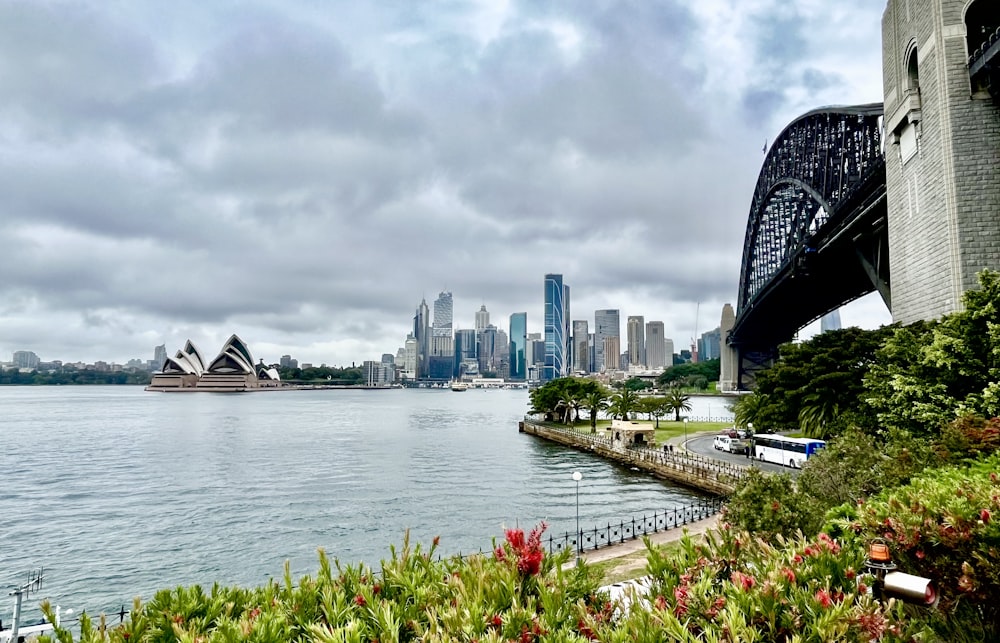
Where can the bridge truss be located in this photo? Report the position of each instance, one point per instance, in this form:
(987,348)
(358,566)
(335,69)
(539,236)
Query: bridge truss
(815,235)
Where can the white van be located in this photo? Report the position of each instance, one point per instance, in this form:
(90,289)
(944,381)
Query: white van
(728,444)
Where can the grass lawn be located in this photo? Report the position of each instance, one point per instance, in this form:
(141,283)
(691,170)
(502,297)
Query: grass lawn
(616,570)
(668,428)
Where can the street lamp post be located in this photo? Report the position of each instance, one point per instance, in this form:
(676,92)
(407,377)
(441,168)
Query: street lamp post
(577,476)
(685,435)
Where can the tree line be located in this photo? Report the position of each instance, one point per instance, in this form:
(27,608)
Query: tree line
(71,376)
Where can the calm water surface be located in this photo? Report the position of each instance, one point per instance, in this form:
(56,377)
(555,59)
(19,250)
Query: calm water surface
(118,492)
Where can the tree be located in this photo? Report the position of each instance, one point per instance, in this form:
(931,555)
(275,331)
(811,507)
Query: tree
(655,407)
(816,415)
(595,400)
(623,403)
(747,410)
(637,384)
(678,401)
(828,369)
(709,369)
(930,373)
(768,505)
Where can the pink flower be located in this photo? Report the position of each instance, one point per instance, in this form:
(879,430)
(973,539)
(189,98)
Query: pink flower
(789,574)
(984,515)
(797,559)
(360,600)
(823,598)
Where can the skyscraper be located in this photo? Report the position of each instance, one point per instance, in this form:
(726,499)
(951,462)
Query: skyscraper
(830,321)
(422,332)
(482,318)
(636,341)
(611,347)
(668,350)
(441,362)
(555,328)
(518,345)
(656,346)
(606,324)
(581,346)
(160,355)
(709,345)
(465,351)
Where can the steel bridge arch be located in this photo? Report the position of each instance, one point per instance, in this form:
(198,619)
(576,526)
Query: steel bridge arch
(811,169)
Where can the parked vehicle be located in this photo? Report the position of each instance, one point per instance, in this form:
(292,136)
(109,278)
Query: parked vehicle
(788,452)
(729,444)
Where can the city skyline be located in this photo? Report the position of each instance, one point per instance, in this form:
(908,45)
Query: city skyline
(194,173)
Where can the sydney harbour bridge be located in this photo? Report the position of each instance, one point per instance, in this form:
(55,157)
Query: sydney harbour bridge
(826,213)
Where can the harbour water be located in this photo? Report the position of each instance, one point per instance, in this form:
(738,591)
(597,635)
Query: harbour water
(118,492)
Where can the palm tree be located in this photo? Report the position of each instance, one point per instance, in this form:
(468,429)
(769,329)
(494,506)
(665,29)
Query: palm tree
(623,403)
(678,401)
(815,415)
(748,409)
(570,402)
(594,401)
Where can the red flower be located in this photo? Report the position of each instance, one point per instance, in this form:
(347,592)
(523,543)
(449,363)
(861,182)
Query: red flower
(862,588)
(376,589)
(850,573)
(965,583)
(775,506)
(496,621)
(919,554)
(984,515)
(797,559)
(660,602)
(789,574)
(743,581)
(359,600)
(437,540)
(823,598)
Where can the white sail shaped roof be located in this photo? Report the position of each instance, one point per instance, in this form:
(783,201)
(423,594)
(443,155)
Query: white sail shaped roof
(234,357)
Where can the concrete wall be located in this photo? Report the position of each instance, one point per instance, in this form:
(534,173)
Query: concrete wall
(944,200)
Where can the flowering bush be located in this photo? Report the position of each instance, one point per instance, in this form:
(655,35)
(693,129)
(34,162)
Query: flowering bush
(943,525)
(734,587)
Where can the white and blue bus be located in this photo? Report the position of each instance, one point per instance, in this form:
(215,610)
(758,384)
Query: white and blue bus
(788,452)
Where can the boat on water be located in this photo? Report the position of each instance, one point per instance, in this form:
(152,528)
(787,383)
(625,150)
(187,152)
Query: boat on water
(459,386)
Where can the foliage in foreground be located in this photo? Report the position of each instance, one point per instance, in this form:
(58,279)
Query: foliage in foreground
(516,594)
(943,525)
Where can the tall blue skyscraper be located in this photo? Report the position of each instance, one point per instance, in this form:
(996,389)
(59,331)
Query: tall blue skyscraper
(555,328)
(518,343)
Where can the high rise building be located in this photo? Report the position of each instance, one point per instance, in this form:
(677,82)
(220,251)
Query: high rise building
(607,323)
(612,346)
(482,318)
(422,332)
(636,326)
(830,321)
(486,345)
(668,351)
(518,346)
(465,351)
(160,355)
(555,328)
(709,345)
(442,344)
(411,352)
(656,359)
(26,359)
(581,346)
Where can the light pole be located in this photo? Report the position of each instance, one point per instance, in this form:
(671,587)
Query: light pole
(685,435)
(577,476)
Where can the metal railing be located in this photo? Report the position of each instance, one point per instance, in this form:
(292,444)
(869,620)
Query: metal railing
(635,527)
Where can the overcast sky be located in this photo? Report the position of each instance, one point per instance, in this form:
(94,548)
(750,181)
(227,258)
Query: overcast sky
(302,173)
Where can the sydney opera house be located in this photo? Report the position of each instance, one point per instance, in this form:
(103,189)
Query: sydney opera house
(231,371)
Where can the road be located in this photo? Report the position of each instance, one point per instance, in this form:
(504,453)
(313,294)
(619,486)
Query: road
(702,445)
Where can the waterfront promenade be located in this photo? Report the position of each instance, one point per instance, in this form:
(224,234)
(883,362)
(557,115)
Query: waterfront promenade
(680,466)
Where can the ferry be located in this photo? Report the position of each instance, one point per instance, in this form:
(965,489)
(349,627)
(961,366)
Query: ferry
(458,387)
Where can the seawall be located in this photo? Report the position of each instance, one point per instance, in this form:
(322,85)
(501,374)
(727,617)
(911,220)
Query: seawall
(687,469)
